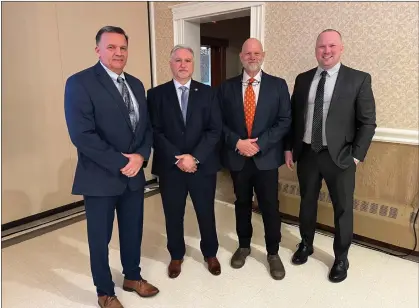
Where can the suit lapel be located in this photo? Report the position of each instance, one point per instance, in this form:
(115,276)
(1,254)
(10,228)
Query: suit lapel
(109,85)
(192,99)
(238,98)
(172,98)
(261,101)
(306,87)
(339,86)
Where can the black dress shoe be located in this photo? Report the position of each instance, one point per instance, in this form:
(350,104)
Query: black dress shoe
(339,271)
(302,253)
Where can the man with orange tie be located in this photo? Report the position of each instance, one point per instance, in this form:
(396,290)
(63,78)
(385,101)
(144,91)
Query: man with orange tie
(256,114)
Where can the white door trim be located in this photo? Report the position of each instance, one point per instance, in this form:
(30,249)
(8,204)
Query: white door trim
(194,10)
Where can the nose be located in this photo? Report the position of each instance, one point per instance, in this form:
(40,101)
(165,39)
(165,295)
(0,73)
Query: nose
(118,51)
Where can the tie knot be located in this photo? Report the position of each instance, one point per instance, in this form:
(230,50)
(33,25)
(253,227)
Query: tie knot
(120,80)
(251,80)
(323,74)
(183,88)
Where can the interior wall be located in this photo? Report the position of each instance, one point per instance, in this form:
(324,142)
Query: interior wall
(379,37)
(43,44)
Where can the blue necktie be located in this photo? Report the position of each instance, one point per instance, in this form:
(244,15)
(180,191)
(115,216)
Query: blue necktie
(184,101)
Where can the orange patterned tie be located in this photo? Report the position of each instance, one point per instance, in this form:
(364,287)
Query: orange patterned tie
(249,106)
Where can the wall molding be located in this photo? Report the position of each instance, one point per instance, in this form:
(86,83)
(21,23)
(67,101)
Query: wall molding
(394,135)
(194,10)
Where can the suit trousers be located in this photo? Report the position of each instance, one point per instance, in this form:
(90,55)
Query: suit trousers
(312,168)
(100,213)
(265,185)
(174,188)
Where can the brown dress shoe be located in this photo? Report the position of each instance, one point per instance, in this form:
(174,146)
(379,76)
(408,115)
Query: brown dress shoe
(109,302)
(213,265)
(141,287)
(174,268)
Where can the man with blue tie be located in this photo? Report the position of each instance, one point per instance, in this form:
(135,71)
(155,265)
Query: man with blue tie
(107,119)
(187,127)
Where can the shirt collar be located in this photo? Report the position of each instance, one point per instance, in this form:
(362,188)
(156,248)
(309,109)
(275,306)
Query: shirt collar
(246,77)
(113,75)
(178,84)
(330,71)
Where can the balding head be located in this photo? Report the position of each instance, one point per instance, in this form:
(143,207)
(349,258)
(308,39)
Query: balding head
(252,56)
(329,48)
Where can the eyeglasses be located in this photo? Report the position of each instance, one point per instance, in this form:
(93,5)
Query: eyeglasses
(254,83)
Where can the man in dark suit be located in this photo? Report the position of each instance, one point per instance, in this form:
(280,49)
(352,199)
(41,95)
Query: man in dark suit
(108,122)
(187,127)
(333,112)
(256,113)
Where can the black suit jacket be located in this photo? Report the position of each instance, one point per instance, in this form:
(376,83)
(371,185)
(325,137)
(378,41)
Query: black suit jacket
(199,137)
(99,127)
(271,124)
(350,123)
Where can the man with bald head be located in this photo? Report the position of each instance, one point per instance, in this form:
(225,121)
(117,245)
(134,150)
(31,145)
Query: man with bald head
(256,113)
(332,128)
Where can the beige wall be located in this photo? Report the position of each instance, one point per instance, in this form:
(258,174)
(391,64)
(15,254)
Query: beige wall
(380,38)
(43,44)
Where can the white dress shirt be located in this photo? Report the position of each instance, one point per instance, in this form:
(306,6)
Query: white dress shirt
(329,86)
(255,84)
(114,76)
(179,91)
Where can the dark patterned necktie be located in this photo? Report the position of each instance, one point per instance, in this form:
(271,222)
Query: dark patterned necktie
(128,102)
(316,130)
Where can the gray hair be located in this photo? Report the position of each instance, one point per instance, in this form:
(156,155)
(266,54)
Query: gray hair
(180,46)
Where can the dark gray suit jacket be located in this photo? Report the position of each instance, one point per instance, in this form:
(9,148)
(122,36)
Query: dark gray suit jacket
(350,123)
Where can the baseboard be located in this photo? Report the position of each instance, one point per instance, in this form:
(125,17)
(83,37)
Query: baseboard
(53,212)
(390,224)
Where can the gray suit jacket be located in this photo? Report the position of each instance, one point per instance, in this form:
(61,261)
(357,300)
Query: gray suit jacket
(350,123)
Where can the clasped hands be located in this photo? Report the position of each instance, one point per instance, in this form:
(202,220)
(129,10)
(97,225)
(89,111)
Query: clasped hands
(134,165)
(186,163)
(248,147)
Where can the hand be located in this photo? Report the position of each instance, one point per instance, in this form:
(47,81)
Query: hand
(288,160)
(186,163)
(356,161)
(248,147)
(134,165)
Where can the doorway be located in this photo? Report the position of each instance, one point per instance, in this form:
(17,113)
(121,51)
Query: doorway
(221,43)
(188,18)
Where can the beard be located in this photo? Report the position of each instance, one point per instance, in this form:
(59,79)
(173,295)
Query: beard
(253,67)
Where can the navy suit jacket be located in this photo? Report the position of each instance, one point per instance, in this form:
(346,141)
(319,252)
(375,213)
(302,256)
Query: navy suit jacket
(271,124)
(199,137)
(99,127)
